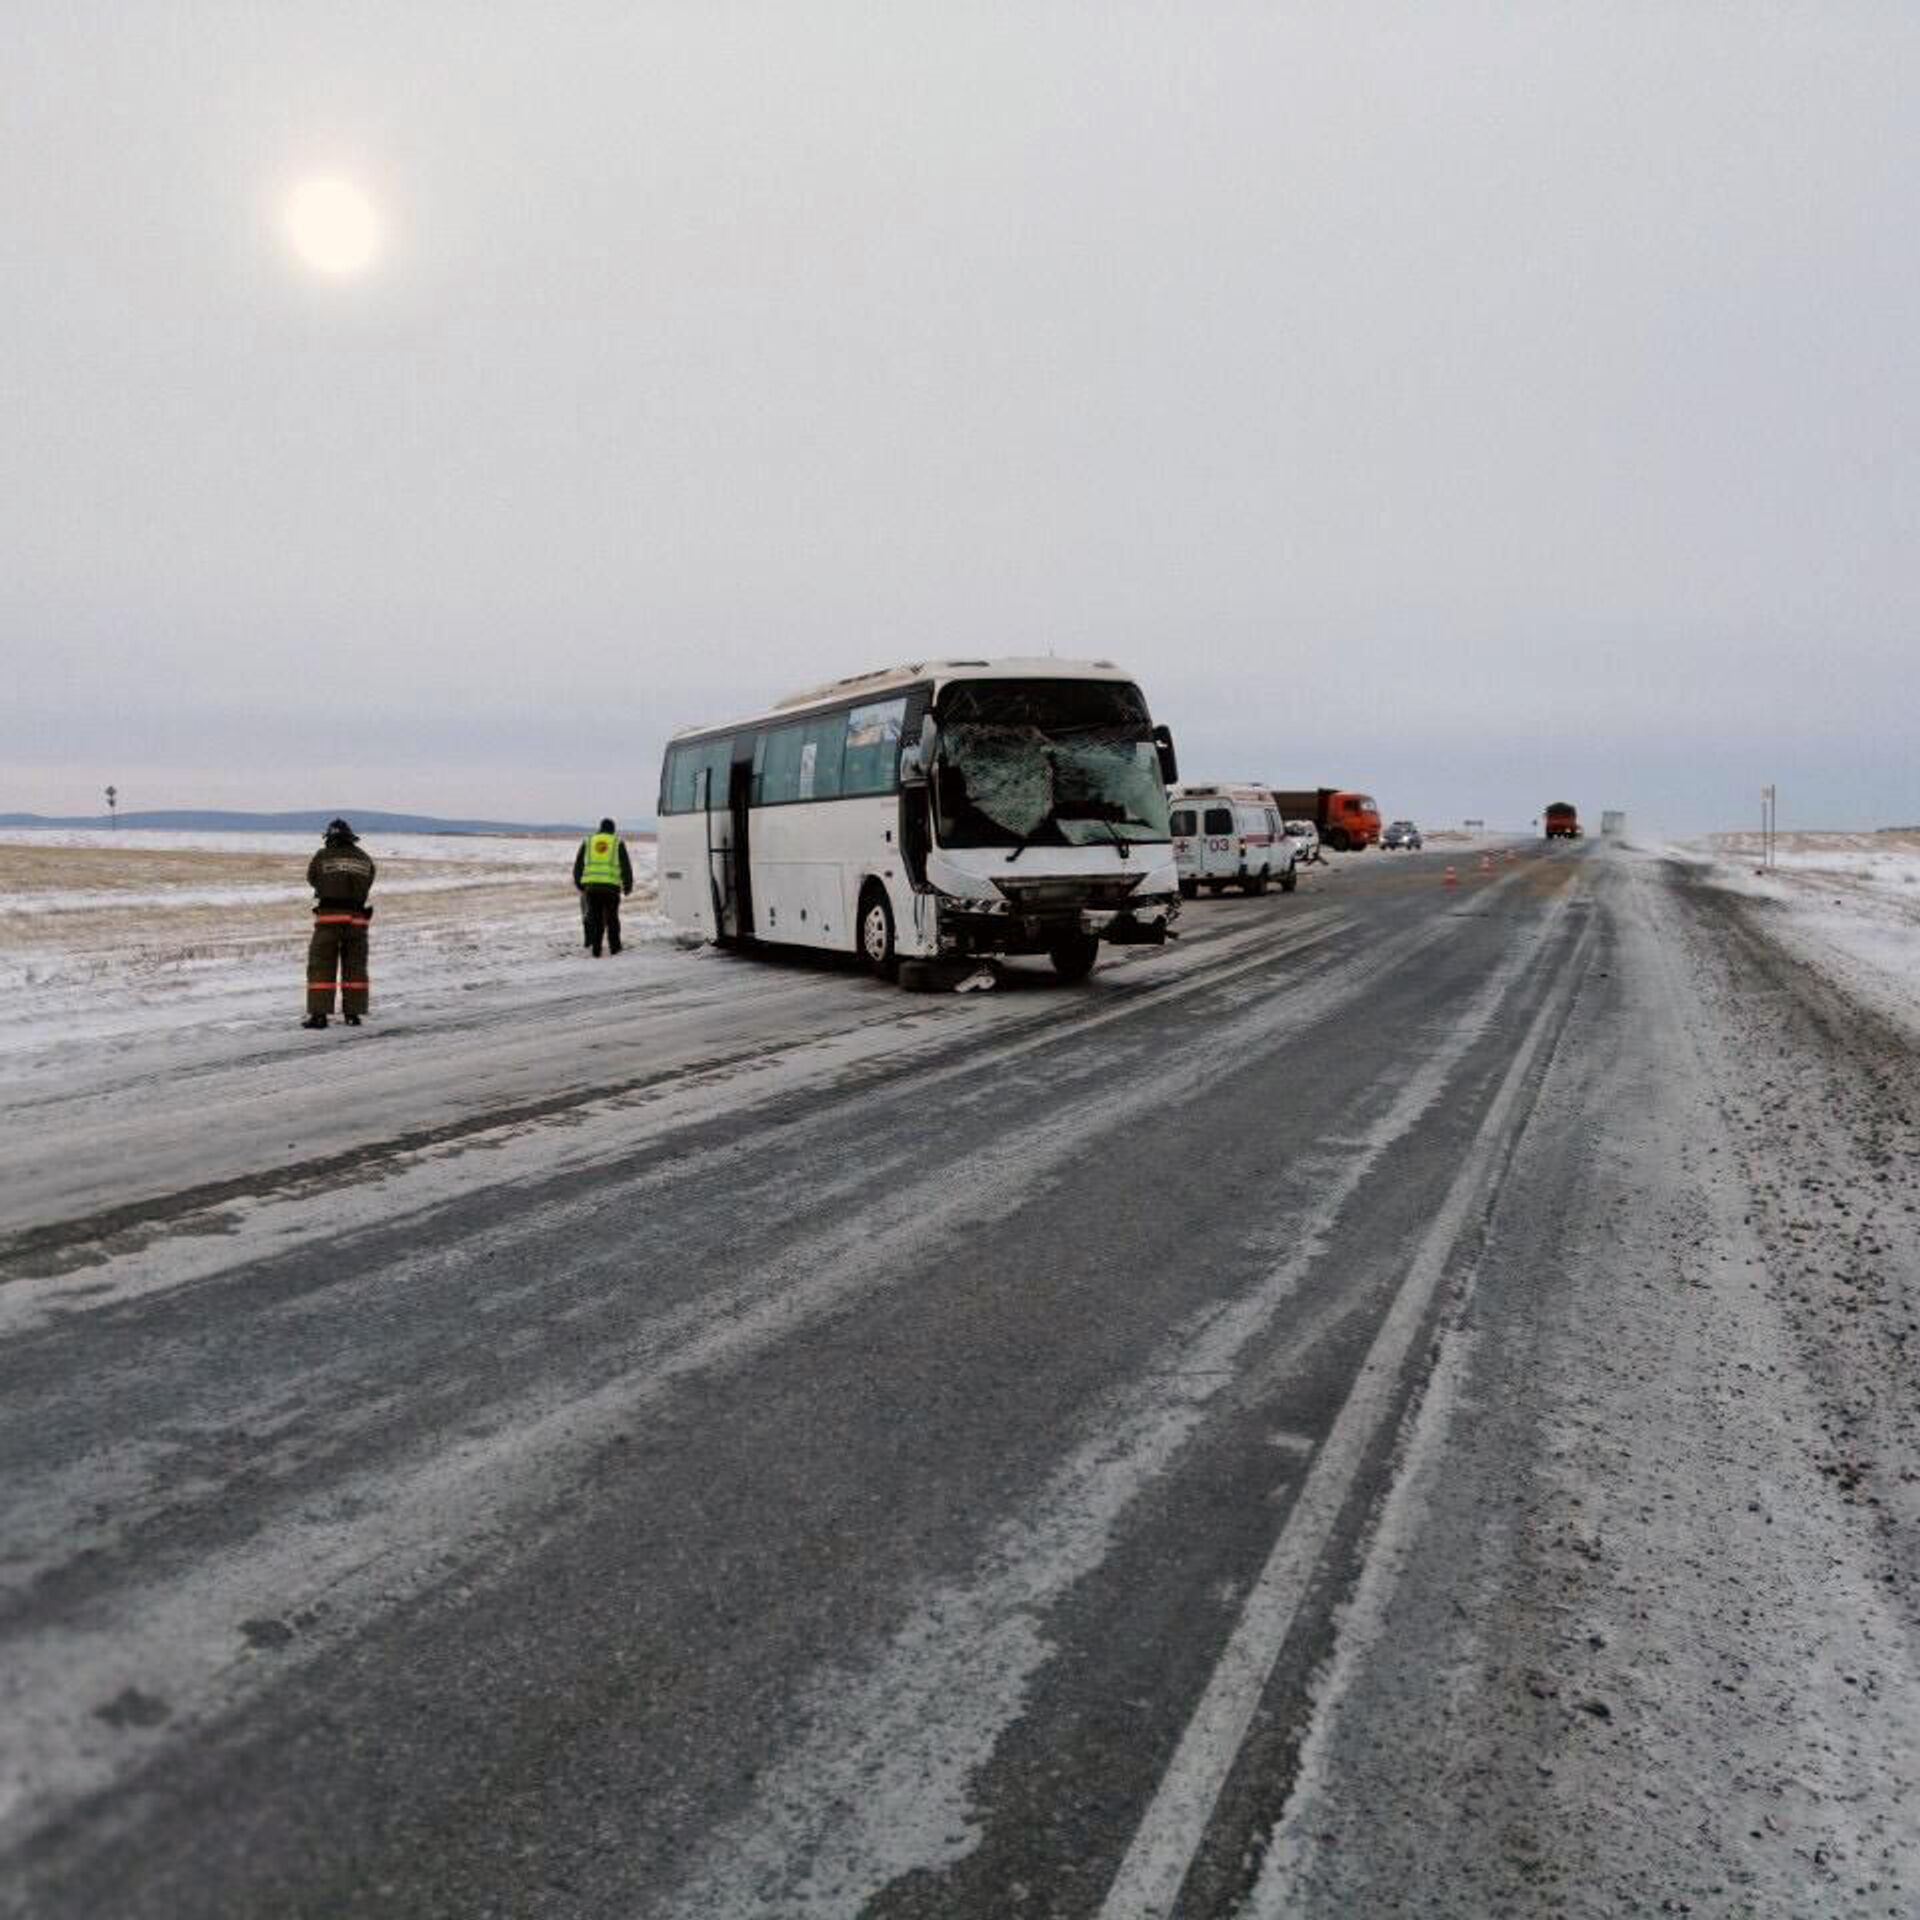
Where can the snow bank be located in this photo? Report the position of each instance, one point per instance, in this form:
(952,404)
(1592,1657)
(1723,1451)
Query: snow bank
(1847,904)
(107,937)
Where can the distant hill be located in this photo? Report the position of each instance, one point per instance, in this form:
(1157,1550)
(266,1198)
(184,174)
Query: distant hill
(313,821)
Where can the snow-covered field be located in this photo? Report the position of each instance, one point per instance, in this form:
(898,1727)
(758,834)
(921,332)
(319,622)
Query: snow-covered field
(1847,904)
(108,935)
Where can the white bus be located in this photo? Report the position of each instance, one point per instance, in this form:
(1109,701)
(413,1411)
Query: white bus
(946,809)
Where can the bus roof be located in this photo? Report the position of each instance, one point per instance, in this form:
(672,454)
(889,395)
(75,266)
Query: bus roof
(920,672)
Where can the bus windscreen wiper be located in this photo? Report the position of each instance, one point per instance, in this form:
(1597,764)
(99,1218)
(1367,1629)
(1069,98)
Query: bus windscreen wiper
(1101,819)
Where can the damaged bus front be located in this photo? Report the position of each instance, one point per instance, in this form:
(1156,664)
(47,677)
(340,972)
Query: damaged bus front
(1035,802)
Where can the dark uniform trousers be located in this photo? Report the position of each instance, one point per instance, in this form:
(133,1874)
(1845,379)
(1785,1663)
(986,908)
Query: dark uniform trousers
(338,949)
(602,916)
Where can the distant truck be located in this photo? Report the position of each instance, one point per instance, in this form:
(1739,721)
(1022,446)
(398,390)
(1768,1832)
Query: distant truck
(1563,821)
(1348,822)
(1613,821)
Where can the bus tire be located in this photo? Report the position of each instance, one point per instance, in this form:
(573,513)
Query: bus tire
(1255,883)
(1189,889)
(1073,955)
(1290,879)
(876,932)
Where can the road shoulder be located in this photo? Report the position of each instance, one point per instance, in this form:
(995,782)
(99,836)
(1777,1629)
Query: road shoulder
(1627,1641)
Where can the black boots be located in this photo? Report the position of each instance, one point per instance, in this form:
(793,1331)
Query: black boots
(352,1019)
(315,1020)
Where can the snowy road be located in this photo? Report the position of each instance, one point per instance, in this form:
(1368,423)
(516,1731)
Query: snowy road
(1401,1402)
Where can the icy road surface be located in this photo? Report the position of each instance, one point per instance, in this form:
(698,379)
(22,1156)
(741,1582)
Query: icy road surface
(1403,1402)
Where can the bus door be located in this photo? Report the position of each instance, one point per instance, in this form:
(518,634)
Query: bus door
(714,907)
(739,842)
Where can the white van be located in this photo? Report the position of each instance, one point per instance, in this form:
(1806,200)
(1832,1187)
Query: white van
(1229,837)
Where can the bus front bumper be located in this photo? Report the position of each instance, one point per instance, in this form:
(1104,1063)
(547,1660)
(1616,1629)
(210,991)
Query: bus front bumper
(995,926)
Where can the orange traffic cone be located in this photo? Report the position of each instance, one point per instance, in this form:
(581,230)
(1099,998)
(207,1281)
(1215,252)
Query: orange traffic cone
(1450,878)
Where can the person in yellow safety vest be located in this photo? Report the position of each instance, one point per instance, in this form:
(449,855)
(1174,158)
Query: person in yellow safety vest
(341,876)
(602,872)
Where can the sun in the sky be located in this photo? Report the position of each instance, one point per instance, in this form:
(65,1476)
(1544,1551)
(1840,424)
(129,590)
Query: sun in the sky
(332,226)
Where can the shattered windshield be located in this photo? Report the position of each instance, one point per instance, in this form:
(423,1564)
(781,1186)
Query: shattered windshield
(1047,763)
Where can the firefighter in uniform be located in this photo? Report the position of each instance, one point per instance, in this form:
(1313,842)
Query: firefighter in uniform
(602,872)
(341,876)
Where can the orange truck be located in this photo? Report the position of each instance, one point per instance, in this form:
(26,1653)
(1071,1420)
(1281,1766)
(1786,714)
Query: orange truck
(1563,821)
(1348,822)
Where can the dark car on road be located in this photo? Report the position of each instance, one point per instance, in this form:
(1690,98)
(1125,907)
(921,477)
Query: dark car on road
(1402,833)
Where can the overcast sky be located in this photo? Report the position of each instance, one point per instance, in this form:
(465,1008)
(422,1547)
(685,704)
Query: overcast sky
(1479,404)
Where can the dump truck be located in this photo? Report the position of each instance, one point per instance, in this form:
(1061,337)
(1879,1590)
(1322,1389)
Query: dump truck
(1347,821)
(1563,820)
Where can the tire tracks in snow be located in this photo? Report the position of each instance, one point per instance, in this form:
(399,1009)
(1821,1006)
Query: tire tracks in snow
(382,1538)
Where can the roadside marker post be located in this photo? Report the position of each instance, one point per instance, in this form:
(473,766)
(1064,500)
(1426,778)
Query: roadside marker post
(1450,878)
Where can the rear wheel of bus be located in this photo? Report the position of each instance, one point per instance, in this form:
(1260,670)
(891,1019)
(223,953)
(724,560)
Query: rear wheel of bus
(1256,883)
(1073,955)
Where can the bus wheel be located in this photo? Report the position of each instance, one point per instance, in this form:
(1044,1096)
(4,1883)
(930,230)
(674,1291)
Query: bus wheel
(1256,883)
(1073,955)
(876,933)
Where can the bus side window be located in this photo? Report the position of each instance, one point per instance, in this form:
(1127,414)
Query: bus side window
(780,770)
(826,746)
(1219,819)
(873,747)
(1182,822)
(719,763)
(683,777)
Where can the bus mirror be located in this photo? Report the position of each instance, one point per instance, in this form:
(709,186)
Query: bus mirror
(929,739)
(913,767)
(1169,760)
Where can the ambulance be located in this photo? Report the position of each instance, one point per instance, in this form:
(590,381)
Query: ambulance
(1226,836)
